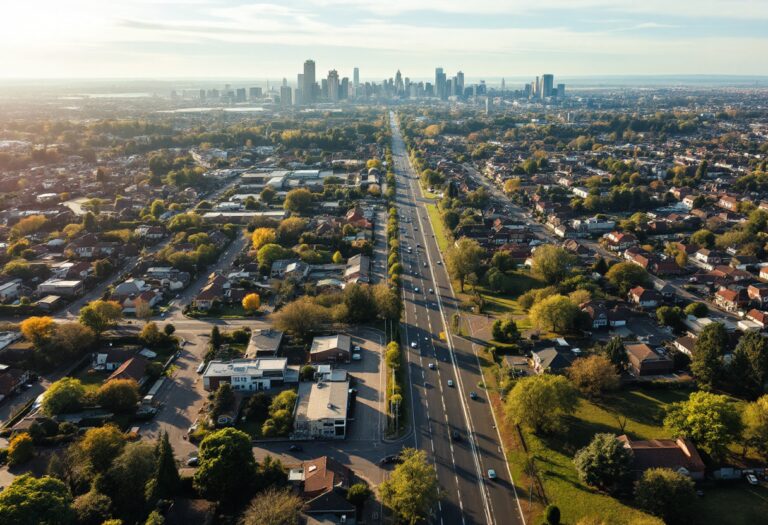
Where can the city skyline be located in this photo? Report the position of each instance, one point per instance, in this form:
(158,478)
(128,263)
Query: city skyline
(226,38)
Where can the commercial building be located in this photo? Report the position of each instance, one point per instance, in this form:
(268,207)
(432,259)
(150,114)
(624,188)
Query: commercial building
(321,410)
(248,375)
(308,86)
(330,348)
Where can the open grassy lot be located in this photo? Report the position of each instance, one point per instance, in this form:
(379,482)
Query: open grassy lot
(441,234)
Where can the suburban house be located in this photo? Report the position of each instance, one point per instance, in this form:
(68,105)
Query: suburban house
(109,359)
(61,287)
(644,297)
(321,410)
(134,368)
(10,291)
(758,293)
(551,360)
(249,375)
(645,361)
(679,455)
(333,348)
(358,269)
(685,344)
(264,343)
(212,292)
(730,300)
(11,380)
(604,317)
(619,242)
(758,316)
(323,483)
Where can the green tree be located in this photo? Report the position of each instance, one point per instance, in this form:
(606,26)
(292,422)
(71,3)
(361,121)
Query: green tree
(666,494)
(268,194)
(337,258)
(616,353)
(100,315)
(605,463)
(703,239)
(697,309)
(270,472)
(35,501)
(64,395)
(74,339)
(551,263)
(155,518)
(157,208)
(594,375)
(555,313)
(502,261)
(223,400)
(21,449)
(552,515)
(539,402)
(358,494)
(412,490)
(750,363)
(298,200)
(710,420)
(92,508)
(707,362)
(166,476)
(103,268)
(227,468)
(464,258)
(257,408)
(216,338)
(290,230)
(274,507)
(387,301)
(505,331)
(625,276)
(301,317)
(755,421)
(101,445)
(119,395)
(269,253)
(128,478)
(669,316)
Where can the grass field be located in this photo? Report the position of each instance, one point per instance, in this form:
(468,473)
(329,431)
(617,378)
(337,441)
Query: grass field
(92,379)
(441,234)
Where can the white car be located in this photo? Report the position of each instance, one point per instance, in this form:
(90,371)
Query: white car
(413,344)
(201,367)
(356,349)
(357,357)
(450,383)
(752,479)
(416,289)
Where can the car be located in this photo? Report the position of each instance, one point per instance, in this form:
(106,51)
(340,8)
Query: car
(193,461)
(450,383)
(431,290)
(432,366)
(201,367)
(387,460)
(425,265)
(491,474)
(415,229)
(439,263)
(413,344)
(473,395)
(356,357)
(416,289)
(418,245)
(752,479)
(426,338)
(356,348)
(295,448)
(455,435)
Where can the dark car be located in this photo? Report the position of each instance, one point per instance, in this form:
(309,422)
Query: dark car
(455,435)
(388,460)
(295,448)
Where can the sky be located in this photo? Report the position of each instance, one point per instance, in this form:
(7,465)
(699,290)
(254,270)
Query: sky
(271,39)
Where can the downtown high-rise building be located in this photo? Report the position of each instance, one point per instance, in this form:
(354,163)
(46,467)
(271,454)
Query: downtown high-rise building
(333,85)
(285,96)
(308,86)
(459,84)
(547,83)
(356,76)
(440,91)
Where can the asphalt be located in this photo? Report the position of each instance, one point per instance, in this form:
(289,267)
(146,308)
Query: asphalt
(440,410)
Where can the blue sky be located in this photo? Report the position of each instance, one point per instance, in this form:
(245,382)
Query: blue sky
(493,38)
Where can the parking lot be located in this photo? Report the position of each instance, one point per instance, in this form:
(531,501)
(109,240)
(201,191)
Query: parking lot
(368,380)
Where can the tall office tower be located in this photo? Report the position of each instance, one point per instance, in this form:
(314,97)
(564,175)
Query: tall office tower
(460,83)
(202,94)
(240,97)
(333,85)
(254,93)
(547,82)
(356,76)
(537,88)
(527,90)
(285,96)
(323,88)
(429,90)
(399,86)
(308,87)
(560,90)
(503,86)
(440,83)
(449,88)
(344,88)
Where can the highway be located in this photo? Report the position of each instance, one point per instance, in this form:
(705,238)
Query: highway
(458,433)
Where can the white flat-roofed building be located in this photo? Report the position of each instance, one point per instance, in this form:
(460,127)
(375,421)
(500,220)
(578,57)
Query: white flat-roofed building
(63,287)
(321,410)
(248,375)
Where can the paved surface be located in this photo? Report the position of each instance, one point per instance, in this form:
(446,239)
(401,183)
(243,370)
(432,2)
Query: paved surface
(439,410)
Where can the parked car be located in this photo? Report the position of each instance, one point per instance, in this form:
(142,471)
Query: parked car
(388,460)
(752,479)
(201,367)
(432,366)
(455,435)
(193,461)
(356,357)
(413,344)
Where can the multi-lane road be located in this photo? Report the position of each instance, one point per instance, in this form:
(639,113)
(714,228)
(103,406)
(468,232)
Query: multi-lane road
(457,432)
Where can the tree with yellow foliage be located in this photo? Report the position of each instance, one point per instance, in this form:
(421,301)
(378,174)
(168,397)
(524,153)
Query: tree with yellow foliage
(262,236)
(38,330)
(251,302)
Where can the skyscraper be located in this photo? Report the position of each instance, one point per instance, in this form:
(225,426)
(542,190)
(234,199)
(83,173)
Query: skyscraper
(547,83)
(399,86)
(440,83)
(308,88)
(356,76)
(460,84)
(561,90)
(333,85)
(285,96)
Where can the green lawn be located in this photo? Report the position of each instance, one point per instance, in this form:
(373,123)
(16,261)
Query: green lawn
(441,235)
(92,379)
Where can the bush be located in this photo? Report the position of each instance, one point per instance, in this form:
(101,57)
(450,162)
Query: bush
(21,449)
(552,515)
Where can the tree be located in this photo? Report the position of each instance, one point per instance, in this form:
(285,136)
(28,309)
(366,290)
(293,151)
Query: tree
(538,402)
(157,208)
(708,352)
(119,395)
(223,400)
(710,420)
(100,315)
(703,239)
(616,354)
(358,494)
(101,445)
(38,330)
(92,508)
(34,501)
(463,259)
(257,408)
(666,494)
(551,263)
(251,302)
(605,463)
(337,258)
(166,477)
(502,261)
(669,316)
(290,230)
(555,313)
(169,329)
(216,338)
(262,236)
(21,449)
(697,309)
(74,339)
(755,421)
(150,334)
(626,275)
(387,301)
(750,363)
(141,308)
(128,478)
(103,268)
(155,518)
(269,253)
(301,317)
(359,303)
(594,375)
(552,515)
(505,331)
(298,200)
(274,507)
(267,194)
(412,490)
(227,468)
(65,395)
